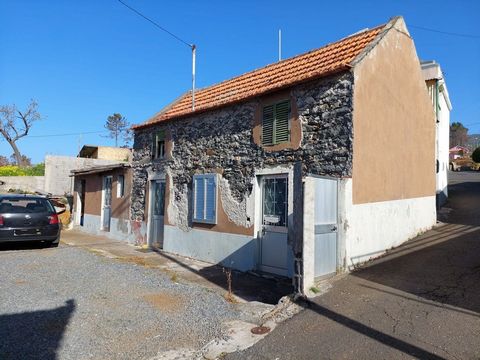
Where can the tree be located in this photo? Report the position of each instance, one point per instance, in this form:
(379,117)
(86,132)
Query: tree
(25,160)
(15,124)
(476,155)
(4,161)
(458,134)
(119,128)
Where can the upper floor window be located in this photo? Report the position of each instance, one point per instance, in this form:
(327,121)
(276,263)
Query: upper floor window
(159,145)
(205,198)
(275,123)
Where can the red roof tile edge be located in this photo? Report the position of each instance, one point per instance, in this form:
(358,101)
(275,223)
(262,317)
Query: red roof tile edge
(154,120)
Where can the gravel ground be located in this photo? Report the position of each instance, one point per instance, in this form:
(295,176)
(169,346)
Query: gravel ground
(67,303)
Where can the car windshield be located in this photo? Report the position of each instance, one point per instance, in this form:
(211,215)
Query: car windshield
(25,205)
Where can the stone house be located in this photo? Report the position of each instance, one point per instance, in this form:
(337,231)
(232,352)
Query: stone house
(437,89)
(303,168)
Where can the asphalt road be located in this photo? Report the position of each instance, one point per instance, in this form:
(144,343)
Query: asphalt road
(420,301)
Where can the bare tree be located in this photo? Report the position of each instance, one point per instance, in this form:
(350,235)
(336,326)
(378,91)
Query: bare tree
(26,161)
(4,161)
(15,124)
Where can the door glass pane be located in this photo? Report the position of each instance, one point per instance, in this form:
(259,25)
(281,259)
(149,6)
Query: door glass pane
(108,191)
(275,202)
(158,198)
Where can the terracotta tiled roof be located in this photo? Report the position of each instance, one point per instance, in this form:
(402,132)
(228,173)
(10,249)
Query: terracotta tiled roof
(326,60)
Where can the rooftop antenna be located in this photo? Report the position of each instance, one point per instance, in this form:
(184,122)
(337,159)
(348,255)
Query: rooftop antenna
(191,46)
(279,44)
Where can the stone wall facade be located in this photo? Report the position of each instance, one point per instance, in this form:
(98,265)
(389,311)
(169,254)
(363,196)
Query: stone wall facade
(221,141)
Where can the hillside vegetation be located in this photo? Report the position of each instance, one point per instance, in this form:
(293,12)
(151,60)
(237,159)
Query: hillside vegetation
(14,170)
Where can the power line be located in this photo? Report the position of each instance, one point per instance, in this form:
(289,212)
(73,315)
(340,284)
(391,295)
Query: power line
(191,46)
(68,134)
(444,32)
(156,24)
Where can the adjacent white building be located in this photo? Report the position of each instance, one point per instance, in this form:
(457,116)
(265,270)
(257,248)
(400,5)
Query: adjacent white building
(437,89)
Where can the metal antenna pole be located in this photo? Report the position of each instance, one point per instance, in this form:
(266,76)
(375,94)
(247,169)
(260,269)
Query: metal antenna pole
(279,44)
(194,48)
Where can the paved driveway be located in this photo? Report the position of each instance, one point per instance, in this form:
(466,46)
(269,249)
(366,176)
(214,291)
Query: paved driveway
(68,303)
(421,301)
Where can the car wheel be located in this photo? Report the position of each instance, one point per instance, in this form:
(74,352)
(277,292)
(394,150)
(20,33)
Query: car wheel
(53,244)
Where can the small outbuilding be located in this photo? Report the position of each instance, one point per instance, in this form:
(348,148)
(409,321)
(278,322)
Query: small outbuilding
(102,200)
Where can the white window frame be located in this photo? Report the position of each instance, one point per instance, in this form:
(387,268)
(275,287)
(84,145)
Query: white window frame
(205,178)
(120,186)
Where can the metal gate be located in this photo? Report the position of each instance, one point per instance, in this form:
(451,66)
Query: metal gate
(325,226)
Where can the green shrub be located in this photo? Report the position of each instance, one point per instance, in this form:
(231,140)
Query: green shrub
(13,170)
(476,155)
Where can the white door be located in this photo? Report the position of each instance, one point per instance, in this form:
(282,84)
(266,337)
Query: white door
(157,209)
(325,226)
(274,235)
(107,202)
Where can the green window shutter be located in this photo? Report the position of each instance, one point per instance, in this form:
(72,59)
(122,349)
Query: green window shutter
(267,125)
(282,114)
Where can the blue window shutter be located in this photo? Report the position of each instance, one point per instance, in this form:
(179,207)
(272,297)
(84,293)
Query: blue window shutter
(199,198)
(211,199)
(205,198)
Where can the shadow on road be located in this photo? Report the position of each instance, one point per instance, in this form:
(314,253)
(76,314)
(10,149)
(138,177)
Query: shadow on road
(443,265)
(34,335)
(370,332)
(22,245)
(246,286)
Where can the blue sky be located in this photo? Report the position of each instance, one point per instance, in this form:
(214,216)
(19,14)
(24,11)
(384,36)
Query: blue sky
(83,60)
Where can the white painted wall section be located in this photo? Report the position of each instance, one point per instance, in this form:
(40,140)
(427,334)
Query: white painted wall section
(371,229)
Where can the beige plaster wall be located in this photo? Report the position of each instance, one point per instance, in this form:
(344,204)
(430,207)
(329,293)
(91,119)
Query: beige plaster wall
(394,123)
